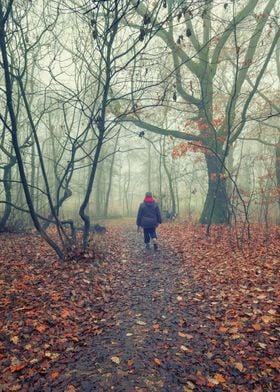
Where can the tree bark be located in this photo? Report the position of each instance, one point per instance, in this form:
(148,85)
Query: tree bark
(8,193)
(277,168)
(84,205)
(14,131)
(216,206)
(107,196)
(170,183)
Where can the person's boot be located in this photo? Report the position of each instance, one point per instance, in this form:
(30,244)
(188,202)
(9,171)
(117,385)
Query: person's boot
(155,244)
(148,246)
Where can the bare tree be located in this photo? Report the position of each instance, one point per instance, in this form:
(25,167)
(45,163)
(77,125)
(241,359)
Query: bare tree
(197,66)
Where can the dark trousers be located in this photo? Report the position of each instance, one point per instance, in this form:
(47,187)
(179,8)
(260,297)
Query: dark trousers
(149,233)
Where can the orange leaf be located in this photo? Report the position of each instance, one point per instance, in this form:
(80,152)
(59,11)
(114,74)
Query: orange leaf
(223,329)
(70,388)
(65,313)
(157,361)
(16,368)
(267,319)
(239,366)
(54,375)
(274,364)
(219,377)
(156,326)
(130,362)
(41,328)
(257,327)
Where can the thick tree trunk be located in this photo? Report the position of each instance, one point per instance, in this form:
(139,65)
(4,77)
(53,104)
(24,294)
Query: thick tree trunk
(216,206)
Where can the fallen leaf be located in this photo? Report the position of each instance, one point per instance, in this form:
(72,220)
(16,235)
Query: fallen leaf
(54,375)
(233,330)
(15,339)
(65,313)
(267,319)
(186,349)
(139,322)
(190,386)
(116,360)
(70,388)
(220,378)
(239,366)
(52,356)
(17,367)
(212,382)
(157,361)
(223,329)
(41,328)
(185,335)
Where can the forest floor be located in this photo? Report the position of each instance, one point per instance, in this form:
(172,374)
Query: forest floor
(198,315)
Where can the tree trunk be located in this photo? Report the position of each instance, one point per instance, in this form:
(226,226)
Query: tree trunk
(14,135)
(126,189)
(170,183)
(84,205)
(277,168)
(160,176)
(149,180)
(8,192)
(98,210)
(107,196)
(216,206)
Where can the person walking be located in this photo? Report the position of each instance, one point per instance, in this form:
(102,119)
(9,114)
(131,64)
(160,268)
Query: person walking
(149,218)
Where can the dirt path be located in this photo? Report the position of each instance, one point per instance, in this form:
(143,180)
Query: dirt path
(198,315)
(139,348)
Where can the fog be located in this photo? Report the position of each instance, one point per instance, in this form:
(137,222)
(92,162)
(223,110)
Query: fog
(102,101)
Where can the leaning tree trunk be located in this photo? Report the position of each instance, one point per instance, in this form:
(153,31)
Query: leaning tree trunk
(216,206)
(84,205)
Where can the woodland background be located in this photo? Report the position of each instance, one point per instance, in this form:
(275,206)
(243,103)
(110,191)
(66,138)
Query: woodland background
(101,101)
